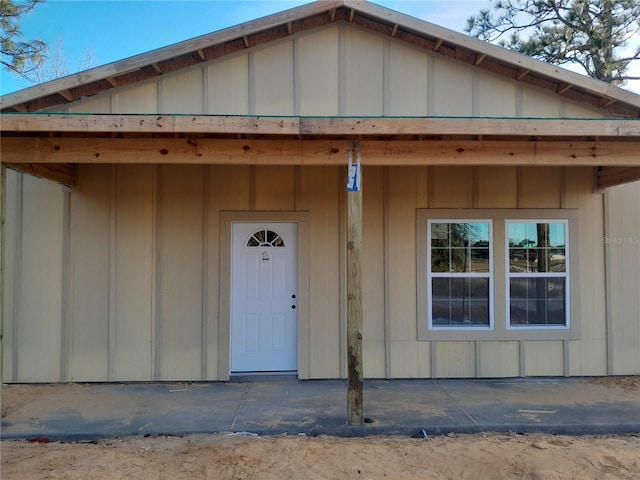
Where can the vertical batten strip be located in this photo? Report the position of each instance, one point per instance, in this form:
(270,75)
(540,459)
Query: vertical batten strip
(608,282)
(205,273)
(523,358)
(17,279)
(3,216)
(113,205)
(64,304)
(342,287)
(387,273)
(157,333)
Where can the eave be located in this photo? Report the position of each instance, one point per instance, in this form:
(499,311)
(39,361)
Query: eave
(380,20)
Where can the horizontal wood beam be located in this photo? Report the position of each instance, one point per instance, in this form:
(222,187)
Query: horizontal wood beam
(315,152)
(379,126)
(57,172)
(612,176)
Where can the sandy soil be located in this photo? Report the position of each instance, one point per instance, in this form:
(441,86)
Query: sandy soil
(241,457)
(233,456)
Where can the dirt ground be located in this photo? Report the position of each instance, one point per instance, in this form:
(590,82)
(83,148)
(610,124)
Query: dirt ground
(237,456)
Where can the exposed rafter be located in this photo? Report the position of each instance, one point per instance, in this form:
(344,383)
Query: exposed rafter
(367,15)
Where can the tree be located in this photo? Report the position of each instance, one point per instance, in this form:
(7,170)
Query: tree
(18,55)
(595,34)
(55,64)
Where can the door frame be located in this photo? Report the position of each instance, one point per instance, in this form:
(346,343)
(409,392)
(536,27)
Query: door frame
(226,252)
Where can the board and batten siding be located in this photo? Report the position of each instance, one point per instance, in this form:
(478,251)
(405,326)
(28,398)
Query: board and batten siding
(131,285)
(118,279)
(622,247)
(331,71)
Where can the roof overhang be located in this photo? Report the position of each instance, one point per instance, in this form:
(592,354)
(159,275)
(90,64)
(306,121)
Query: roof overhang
(366,15)
(50,145)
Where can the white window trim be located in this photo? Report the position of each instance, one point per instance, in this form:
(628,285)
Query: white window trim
(566,275)
(431,275)
(500,331)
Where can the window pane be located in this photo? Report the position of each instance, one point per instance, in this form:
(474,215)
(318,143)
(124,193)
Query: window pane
(439,260)
(537,301)
(460,302)
(459,260)
(439,234)
(480,259)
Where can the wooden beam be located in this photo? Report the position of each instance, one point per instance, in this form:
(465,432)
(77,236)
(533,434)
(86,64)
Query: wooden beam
(60,173)
(523,72)
(354,308)
(612,176)
(316,152)
(438,44)
(378,126)
(479,59)
(3,210)
(563,87)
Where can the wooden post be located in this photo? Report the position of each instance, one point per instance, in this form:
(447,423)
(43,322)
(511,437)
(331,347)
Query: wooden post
(354,294)
(3,197)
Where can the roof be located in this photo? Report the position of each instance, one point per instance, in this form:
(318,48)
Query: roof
(421,34)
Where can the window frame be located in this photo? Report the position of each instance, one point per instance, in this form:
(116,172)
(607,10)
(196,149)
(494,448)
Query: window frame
(431,275)
(500,317)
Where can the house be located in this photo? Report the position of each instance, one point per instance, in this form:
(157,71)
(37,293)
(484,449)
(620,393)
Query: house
(184,215)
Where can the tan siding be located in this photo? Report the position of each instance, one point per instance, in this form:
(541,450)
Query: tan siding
(496,187)
(407,92)
(455,359)
(402,271)
(591,359)
(275,188)
(544,358)
(539,187)
(180,242)
(536,103)
(452,91)
(363,73)
(373,272)
(183,93)
(134,274)
(623,236)
(228,86)
(101,104)
(496,97)
(317,71)
(39,337)
(13,184)
(451,187)
(499,359)
(141,99)
(320,191)
(273,86)
(89,309)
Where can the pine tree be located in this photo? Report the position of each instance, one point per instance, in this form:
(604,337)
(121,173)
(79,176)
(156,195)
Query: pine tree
(595,34)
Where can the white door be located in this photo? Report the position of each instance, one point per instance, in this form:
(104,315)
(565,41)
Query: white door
(264,297)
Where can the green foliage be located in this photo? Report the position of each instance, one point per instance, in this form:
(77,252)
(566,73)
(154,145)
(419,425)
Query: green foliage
(17,54)
(591,33)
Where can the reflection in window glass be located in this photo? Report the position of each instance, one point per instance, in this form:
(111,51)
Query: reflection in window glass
(537,288)
(459,273)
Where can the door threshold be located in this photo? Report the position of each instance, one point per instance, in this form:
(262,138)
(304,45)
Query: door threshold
(289,376)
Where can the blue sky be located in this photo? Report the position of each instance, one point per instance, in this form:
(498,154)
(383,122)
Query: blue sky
(117,29)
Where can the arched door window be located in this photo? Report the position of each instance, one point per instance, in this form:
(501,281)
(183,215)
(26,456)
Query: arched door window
(265,238)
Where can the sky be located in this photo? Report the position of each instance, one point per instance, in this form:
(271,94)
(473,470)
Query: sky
(117,29)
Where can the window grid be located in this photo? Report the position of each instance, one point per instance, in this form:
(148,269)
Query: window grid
(538,297)
(463,290)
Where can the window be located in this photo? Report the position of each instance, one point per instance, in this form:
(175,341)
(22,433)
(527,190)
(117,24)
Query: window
(265,238)
(538,280)
(459,274)
(497,274)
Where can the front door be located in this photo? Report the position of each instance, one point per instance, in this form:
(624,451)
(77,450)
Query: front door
(264,318)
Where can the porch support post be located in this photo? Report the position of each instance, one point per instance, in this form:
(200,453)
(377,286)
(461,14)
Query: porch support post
(354,291)
(3,197)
